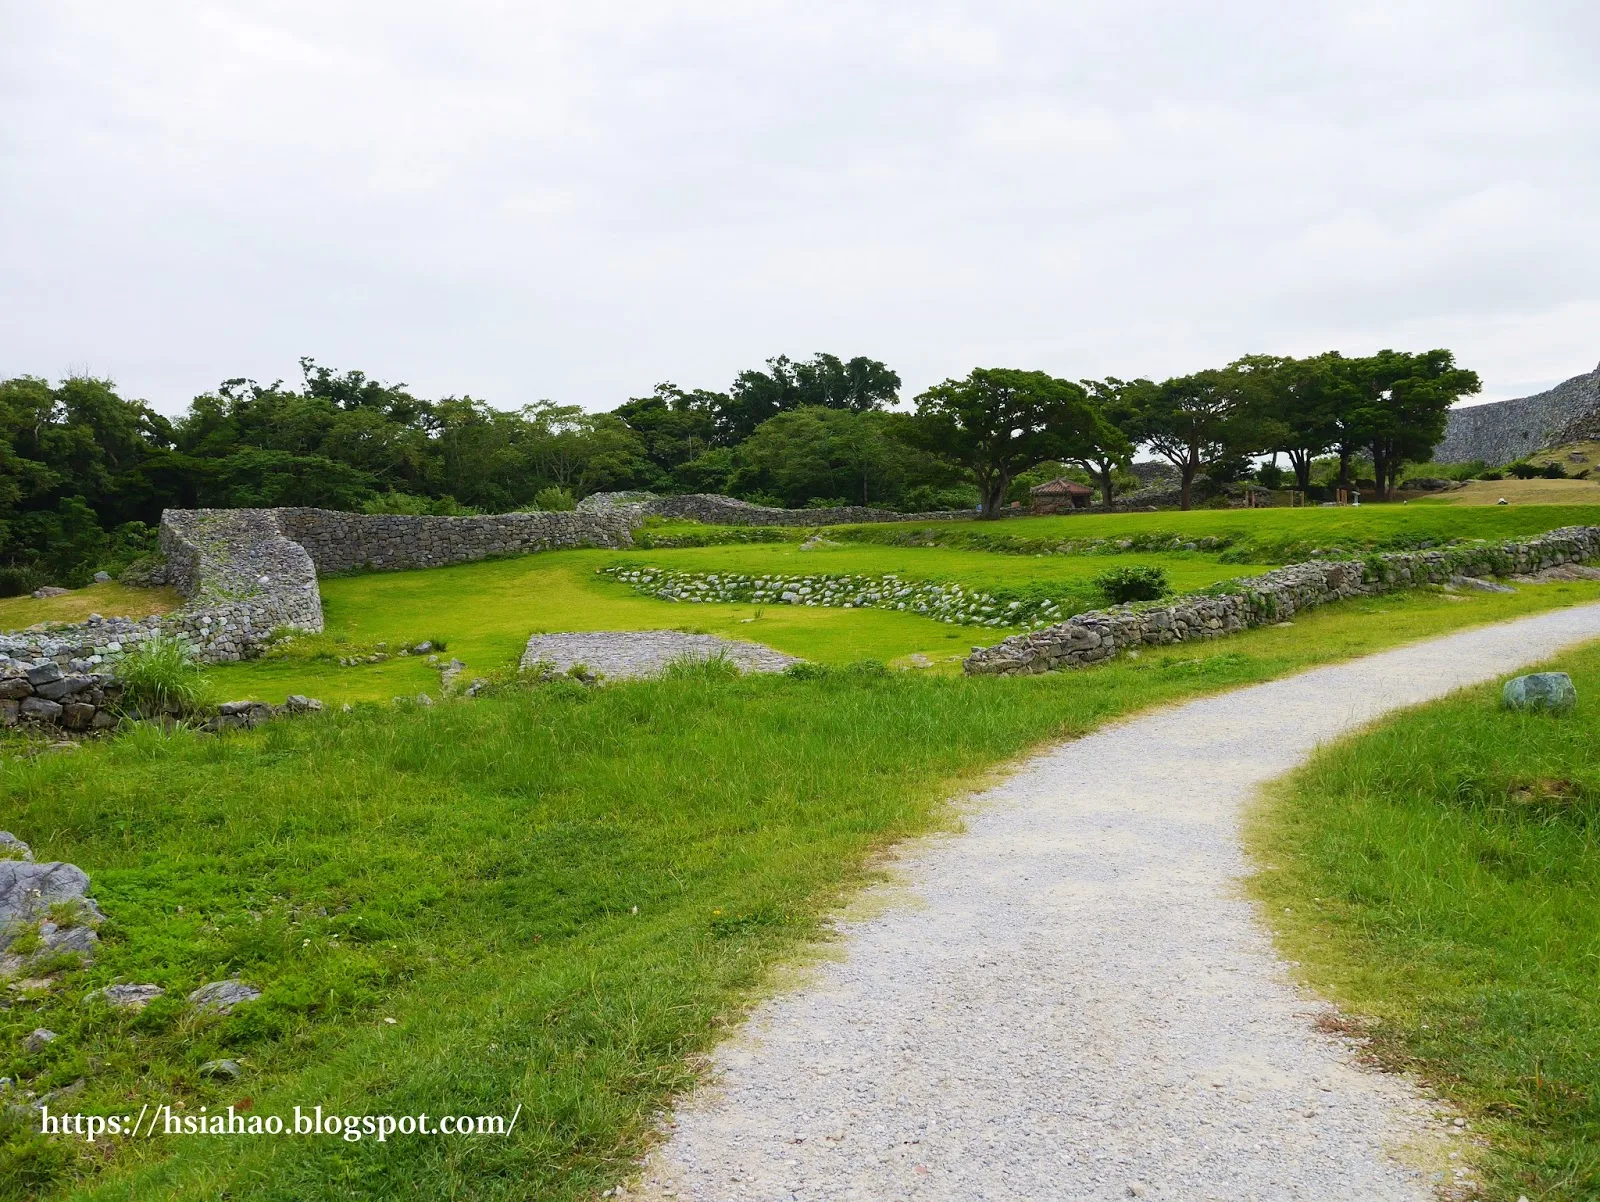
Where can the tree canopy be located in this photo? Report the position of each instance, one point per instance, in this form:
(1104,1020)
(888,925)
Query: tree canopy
(85,472)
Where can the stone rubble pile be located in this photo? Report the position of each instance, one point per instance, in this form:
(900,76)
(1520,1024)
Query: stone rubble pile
(77,696)
(1274,597)
(943,602)
(717,510)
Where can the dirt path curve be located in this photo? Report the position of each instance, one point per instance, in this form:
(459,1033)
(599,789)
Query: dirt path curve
(1074,1000)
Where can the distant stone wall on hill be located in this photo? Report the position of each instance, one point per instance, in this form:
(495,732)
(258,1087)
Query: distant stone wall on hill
(717,510)
(1503,431)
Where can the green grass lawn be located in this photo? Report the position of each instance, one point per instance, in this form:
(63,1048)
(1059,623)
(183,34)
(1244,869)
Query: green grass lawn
(108,600)
(1258,535)
(558,895)
(485,611)
(1439,878)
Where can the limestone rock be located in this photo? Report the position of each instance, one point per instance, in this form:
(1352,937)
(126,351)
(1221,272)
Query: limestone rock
(13,848)
(125,997)
(1550,691)
(102,577)
(220,997)
(40,710)
(38,1039)
(28,890)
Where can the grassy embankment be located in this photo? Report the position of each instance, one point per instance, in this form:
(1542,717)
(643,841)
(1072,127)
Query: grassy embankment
(1438,878)
(559,896)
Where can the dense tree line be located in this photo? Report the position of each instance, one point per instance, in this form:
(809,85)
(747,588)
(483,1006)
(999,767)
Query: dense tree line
(85,473)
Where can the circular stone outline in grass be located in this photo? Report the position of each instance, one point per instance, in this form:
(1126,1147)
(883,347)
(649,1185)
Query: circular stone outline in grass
(633,654)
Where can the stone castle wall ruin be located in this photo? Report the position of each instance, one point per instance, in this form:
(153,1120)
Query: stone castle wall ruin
(1503,431)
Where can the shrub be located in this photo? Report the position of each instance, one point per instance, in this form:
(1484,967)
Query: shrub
(14,582)
(408,503)
(554,500)
(1523,471)
(160,676)
(1125,584)
(1554,471)
(1492,474)
(1270,475)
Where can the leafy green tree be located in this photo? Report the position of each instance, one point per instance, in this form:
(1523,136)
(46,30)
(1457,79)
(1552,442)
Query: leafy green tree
(816,454)
(674,426)
(1195,421)
(1108,450)
(1403,406)
(998,422)
(825,381)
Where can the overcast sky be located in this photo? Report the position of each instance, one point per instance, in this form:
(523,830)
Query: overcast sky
(576,200)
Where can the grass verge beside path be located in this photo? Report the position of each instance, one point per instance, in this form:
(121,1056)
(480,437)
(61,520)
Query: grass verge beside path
(559,896)
(1438,878)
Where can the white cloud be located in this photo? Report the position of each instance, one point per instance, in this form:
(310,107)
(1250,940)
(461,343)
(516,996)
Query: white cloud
(577,199)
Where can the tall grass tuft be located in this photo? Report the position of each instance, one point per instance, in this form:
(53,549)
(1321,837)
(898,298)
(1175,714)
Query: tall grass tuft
(701,667)
(160,676)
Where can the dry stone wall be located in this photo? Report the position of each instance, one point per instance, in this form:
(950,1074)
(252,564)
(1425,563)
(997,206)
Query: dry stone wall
(344,542)
(247,572)
(716,510)
(1263,600)
(1503,431)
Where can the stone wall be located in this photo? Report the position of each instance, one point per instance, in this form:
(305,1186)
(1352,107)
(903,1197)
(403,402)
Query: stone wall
(1263,600)
(716,510)
(343,542)
(1504,431)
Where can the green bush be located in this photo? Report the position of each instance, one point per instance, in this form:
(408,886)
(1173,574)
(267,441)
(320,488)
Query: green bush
(160,676)
(1271,475)
(14,582)
(1136,583)
(1524,471)
(554,500)
(1492,474)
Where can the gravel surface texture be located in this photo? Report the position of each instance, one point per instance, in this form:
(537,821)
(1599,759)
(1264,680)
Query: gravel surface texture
(1073,999)
(619,654)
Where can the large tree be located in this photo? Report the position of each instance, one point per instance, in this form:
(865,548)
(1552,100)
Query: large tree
(1195,421)
(823,380)
(998,422)
(1402,403)
(1109,446)
(812,454)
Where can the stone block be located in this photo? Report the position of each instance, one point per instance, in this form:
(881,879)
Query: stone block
(77,715)
(1552,692)
(40,709)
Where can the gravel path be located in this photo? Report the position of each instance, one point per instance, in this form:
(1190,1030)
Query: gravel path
(1073,1000)
(619,654)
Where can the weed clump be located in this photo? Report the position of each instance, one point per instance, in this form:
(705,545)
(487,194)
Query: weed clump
(160,676)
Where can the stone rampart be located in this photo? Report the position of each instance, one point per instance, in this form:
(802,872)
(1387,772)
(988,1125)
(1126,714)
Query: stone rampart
(1503,431)
(1263,600)
(344,542)
(716,510)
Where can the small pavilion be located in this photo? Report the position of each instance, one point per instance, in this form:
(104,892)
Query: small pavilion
(1060,495)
